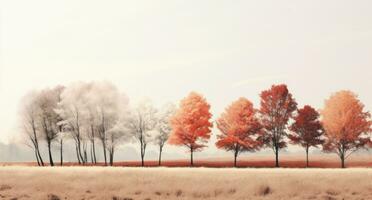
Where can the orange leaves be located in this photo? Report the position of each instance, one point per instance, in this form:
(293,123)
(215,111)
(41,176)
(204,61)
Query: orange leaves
(277,107)
(345,121)
(239,127)
(191,123)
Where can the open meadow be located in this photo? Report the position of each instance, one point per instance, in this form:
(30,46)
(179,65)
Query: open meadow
(125,183)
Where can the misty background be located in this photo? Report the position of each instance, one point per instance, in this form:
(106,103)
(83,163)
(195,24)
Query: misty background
(165,49)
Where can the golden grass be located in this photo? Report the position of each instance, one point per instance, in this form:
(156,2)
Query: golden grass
(183,183)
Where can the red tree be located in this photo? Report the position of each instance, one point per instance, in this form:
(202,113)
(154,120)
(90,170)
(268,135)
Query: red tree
(306,130)
(346,125)
(190,125)
(239,128)
(277,106)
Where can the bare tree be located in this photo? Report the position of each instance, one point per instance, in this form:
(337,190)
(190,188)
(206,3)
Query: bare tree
(142,123)
(115,136)
(106,104)
(163,126)
(73,111)
(28,113)
(47,102)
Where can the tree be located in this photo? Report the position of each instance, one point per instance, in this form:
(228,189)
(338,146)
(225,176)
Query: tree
(277,107)
(346,124)
(306,130)
(49,120)
(163,127)
(73,111)
(106,104)
(240,128)
(29,120)
(115,136)
(142,124)
(190,125)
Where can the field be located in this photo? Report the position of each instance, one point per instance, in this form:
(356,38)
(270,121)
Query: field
(123,183)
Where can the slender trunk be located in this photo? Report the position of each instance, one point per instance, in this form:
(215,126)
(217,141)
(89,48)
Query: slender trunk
(160,151)
(142,159)
(342,160)
(143,151)
(40,158)
(111,156)
(37,158)
(94,152)
(79,151)
(236,152)
(104,152)
(37,145)
(50,153)
(307,156)
(276,156)
(91,154)
(77,154)
(192,156)
(61,152)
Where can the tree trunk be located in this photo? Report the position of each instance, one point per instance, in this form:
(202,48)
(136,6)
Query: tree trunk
(236,152)
(77,154)
(40,158)
(160,151)
(111,157)
(79,151)
(50,154)
(192,156)
(94,152)
(37,158)
(342,160)
(307,156)
(276,156)
(143,151)
(142,159)
(61,152)
(235,158)
(104,152)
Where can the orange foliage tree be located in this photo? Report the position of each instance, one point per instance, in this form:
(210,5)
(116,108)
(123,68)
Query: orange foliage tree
(306,130)
(346,125)
(191,126)
(240,128)
(277,107)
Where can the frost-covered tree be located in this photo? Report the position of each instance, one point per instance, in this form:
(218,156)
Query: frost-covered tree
(29,122)
(142,124)
(163,126)
(48,119)
(106,104)
(73,110)
(115,136)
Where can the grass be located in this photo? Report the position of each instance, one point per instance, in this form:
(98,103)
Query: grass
(183,183)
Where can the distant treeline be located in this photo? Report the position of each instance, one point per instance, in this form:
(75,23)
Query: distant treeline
(97,113)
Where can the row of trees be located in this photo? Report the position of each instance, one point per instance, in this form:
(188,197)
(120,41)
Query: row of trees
(88,114)
(97,112)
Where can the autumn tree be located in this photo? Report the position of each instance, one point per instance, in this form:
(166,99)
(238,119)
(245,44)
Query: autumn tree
(163,126)
(191,124)
(277,107)
(240,128)
(306,130)
(346,124)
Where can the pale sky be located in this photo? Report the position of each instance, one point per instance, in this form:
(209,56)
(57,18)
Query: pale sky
(165,49)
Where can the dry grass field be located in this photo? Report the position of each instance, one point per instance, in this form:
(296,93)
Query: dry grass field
(116,183)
